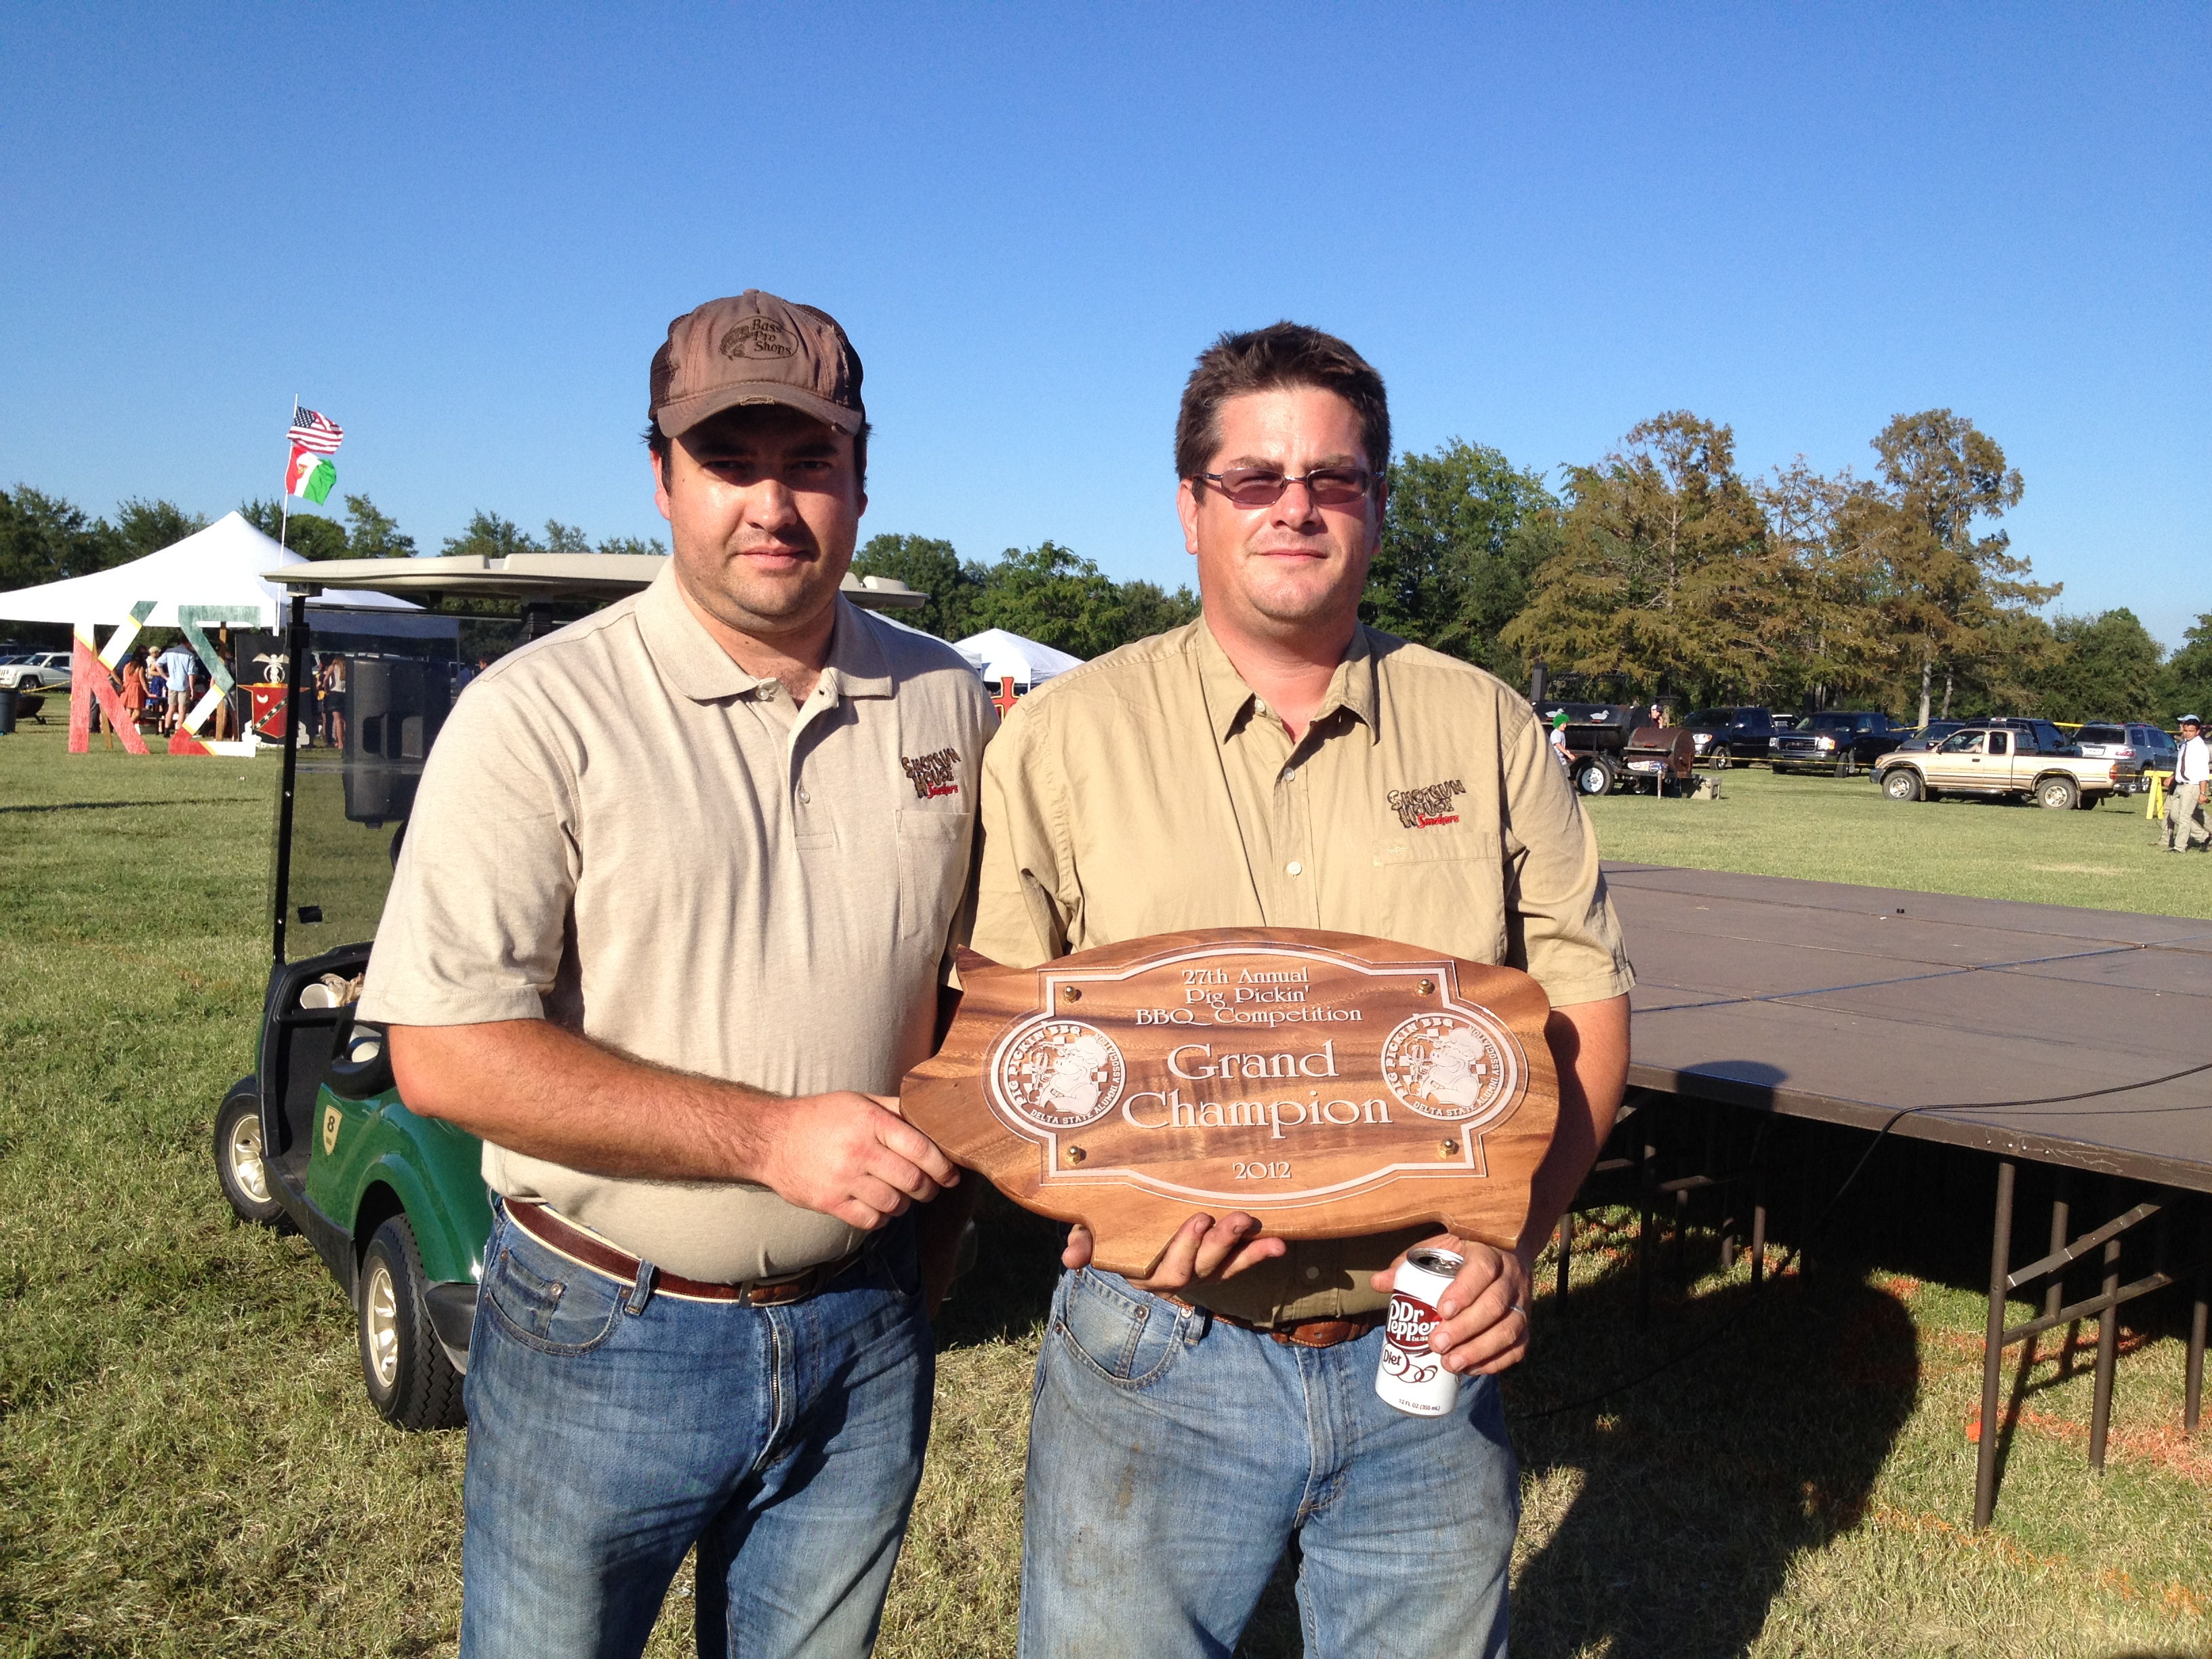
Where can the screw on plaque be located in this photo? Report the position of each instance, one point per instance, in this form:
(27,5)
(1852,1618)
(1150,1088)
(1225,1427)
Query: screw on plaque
(1071,993)
(1075,1154)
(1427,986)
(1448,1149)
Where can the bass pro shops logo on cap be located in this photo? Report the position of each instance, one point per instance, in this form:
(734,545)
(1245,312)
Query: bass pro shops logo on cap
(758,337)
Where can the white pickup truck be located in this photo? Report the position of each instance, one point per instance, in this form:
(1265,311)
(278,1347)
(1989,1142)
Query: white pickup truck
(1991,761)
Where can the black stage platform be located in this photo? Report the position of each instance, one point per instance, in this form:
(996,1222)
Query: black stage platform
(1846,1004)
(1931,1016)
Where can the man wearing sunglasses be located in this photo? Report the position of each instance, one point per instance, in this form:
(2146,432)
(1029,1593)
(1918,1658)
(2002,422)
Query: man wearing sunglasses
(1277,764)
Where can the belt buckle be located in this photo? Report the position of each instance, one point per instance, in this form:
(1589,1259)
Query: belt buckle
(783,1291)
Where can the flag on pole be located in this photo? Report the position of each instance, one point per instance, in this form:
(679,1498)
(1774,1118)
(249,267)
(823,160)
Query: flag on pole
(312,432)
(310,475)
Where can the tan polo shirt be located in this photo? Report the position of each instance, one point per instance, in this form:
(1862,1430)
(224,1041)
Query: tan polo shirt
(1151,791)
(621,830)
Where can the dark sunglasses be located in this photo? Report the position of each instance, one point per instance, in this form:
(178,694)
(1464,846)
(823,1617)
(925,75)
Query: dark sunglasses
(1257,486)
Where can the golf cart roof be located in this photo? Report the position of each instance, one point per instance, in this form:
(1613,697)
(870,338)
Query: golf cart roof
(603,576)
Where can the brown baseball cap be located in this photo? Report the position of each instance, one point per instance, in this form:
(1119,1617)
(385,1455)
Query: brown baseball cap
(755,349)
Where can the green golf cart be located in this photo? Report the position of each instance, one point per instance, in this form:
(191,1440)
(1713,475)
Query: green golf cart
(316,1138)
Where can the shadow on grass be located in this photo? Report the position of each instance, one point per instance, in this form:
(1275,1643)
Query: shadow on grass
(1694,1492)
(1683,1502)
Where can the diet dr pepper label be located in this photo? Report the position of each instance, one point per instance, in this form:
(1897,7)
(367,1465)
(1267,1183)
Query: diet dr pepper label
(1413,1377)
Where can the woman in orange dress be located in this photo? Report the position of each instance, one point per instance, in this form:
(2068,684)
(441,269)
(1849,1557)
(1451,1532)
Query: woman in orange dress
(134,689)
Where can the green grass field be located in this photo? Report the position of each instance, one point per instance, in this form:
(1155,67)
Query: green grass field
(188,1466)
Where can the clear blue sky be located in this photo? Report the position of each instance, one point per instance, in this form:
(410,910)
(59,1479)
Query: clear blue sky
(461,234)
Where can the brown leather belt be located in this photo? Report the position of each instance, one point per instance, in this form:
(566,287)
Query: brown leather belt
(1300,1334)
(587,1250)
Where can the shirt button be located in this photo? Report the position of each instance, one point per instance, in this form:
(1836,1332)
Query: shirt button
(805,798)
(1289,772)
(1293,867)
(1313,1273)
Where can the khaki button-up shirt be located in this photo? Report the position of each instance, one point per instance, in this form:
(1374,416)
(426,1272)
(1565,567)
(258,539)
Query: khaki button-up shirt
(621,830)
(1151,790)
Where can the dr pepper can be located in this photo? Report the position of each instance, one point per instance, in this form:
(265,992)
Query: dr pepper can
(1413,1377)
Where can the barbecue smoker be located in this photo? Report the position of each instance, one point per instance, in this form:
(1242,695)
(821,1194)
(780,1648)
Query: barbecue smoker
(1605,754)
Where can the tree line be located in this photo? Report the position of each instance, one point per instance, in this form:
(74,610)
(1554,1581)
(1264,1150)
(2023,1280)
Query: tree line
(1658,572)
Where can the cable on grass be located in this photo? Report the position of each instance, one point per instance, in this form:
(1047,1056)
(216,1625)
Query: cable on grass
(1796,1253)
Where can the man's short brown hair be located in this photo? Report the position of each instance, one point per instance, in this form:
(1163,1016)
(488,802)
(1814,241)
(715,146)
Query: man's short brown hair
(1266,360)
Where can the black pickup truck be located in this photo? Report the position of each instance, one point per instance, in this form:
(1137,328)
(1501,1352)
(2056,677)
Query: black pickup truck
(1725,737)
(1836,741)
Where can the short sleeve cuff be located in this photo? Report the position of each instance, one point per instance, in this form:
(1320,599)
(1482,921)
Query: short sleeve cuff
(475,1008)
(1568,992)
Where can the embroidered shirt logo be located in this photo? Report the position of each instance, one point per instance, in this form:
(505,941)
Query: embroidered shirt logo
(1428,803)
(932,775)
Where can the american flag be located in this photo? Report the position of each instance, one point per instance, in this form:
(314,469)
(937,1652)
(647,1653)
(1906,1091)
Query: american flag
(312,431)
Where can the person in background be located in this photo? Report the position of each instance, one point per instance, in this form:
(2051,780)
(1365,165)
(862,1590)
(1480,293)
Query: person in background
(134,688)
(2184,801)
(330,686)
(1559,738)
(177,663)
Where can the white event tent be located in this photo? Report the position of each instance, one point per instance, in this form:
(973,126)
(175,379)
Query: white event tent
(999,655)
(220,565)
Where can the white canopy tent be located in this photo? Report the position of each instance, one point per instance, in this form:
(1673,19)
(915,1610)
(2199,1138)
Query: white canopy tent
(218,566)
(999,655)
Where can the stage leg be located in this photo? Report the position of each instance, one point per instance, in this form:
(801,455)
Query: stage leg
(2192,1396)
(1986,1453)
(2062,1211)
(2108,1344)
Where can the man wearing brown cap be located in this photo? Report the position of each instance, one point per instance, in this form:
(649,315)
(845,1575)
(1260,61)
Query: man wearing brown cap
(669,926)
(1252,768)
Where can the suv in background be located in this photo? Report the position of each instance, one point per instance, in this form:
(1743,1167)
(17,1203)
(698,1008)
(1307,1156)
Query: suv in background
(36,672)
(2149,745)
(1725,735)
(1933,734)
(1836,739)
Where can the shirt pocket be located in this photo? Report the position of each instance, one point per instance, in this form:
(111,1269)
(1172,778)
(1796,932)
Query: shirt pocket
(1440,892)
(933,849)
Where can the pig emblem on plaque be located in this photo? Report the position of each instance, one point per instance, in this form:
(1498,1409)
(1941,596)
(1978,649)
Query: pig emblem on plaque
(1329,1083)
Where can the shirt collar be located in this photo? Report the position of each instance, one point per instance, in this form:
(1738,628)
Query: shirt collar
(697,666)
(1351,687)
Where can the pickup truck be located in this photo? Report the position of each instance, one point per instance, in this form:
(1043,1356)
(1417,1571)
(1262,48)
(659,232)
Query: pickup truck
(1835,740)
(1999,762)
(1725,735)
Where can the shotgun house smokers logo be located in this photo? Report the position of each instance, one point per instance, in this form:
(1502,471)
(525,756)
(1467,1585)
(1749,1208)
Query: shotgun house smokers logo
(1061,1074)
(931,775)
(1426,804)
(1453,1067)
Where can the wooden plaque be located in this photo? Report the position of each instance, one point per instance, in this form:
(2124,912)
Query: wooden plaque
(1330,1084)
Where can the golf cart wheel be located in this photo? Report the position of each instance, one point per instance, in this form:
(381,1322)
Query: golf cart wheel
(241,1165)
(1903,783)
(1593,777)
(410,1381)
(2059,794)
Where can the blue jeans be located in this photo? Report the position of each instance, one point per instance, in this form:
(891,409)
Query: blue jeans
(1171,1458)
(609,1430)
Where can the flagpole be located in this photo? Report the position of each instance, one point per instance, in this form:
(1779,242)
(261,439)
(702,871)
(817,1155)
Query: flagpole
(284,502)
